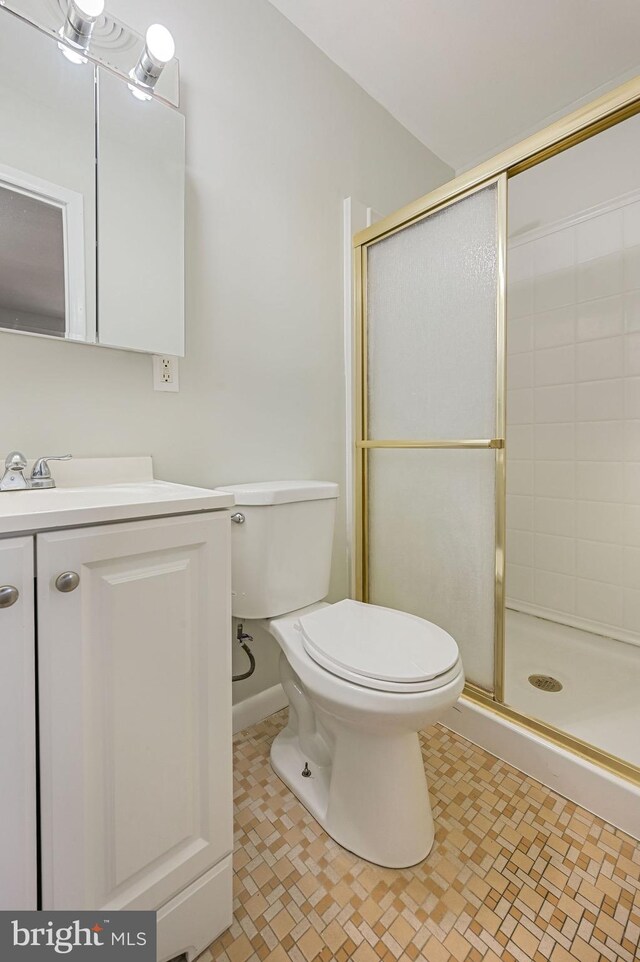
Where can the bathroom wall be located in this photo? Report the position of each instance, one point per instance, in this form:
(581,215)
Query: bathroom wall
(277,136)
(573,515)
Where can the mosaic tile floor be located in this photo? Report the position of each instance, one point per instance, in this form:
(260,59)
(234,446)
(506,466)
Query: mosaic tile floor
(516,873)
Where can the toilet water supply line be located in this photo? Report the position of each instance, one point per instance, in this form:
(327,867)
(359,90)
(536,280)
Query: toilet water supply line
(242,637)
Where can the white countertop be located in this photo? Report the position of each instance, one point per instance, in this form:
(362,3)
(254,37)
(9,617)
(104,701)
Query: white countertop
(99,490)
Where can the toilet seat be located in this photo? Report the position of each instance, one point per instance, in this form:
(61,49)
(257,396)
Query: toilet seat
(380,648)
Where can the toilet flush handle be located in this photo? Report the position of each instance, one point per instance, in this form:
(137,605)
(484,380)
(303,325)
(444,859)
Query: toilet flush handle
(238,518)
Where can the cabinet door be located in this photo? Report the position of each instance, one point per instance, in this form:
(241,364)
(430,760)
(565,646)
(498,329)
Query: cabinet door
(18,838)
(135,710)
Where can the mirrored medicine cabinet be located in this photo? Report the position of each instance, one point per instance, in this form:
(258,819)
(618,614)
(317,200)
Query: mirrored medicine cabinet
(91,201)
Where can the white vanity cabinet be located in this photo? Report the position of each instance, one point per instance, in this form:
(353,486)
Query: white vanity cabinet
(132,643)
(132,709)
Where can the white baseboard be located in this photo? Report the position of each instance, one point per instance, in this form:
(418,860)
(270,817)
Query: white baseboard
(614,799)
(258,707)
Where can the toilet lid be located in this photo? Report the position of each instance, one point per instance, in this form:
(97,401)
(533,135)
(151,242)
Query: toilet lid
(378,647)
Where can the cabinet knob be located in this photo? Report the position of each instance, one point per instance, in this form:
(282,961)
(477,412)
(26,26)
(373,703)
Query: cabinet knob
(67,581)
(8,596)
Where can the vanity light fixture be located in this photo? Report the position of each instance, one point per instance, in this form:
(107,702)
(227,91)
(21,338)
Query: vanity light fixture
(159,49)
(78,27)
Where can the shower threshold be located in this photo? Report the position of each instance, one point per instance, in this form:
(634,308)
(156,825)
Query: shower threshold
(600,678)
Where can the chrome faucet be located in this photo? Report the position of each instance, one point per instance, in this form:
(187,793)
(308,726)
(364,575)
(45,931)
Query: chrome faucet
(40,473)
(13,478)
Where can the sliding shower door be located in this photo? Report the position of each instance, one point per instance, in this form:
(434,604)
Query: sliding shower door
(431,422)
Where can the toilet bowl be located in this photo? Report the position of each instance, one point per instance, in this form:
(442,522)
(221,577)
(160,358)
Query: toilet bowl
(361,680)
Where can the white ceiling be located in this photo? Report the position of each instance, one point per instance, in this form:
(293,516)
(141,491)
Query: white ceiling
(469,77)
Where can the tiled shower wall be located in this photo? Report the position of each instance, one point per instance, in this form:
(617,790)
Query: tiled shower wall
(573,455)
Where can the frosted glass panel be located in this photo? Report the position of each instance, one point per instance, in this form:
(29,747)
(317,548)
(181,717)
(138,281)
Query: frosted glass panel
(431,325)
(432,544)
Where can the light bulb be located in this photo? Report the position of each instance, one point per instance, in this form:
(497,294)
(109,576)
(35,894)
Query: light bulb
(79,23)
(71,55)
(160,43)
(137,93)
(90,8)
(158,50)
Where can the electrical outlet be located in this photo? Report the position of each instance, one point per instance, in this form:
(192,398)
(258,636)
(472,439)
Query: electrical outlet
(165,373)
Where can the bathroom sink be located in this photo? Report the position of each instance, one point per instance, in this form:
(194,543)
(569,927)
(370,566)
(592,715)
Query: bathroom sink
(110,489)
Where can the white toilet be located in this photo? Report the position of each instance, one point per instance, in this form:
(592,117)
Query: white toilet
(361,680)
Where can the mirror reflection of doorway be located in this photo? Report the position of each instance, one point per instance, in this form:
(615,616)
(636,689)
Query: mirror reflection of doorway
(32,268)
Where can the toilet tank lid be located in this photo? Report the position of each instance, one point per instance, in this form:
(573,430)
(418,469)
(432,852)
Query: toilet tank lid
(281,492)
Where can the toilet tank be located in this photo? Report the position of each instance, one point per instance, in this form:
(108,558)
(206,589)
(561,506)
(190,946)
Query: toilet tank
(281,552)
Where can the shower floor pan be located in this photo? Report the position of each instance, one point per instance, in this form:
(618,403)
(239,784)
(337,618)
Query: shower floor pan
(600,677)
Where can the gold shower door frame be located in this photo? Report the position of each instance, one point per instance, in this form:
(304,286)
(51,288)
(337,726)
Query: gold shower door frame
(611,109)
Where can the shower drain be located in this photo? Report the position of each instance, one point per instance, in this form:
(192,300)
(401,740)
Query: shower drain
(545,683)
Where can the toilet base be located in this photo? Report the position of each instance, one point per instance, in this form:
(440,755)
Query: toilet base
(373,797)
(288,762)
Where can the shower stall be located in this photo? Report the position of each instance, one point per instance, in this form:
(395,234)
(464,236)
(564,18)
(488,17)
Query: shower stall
(498,426)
